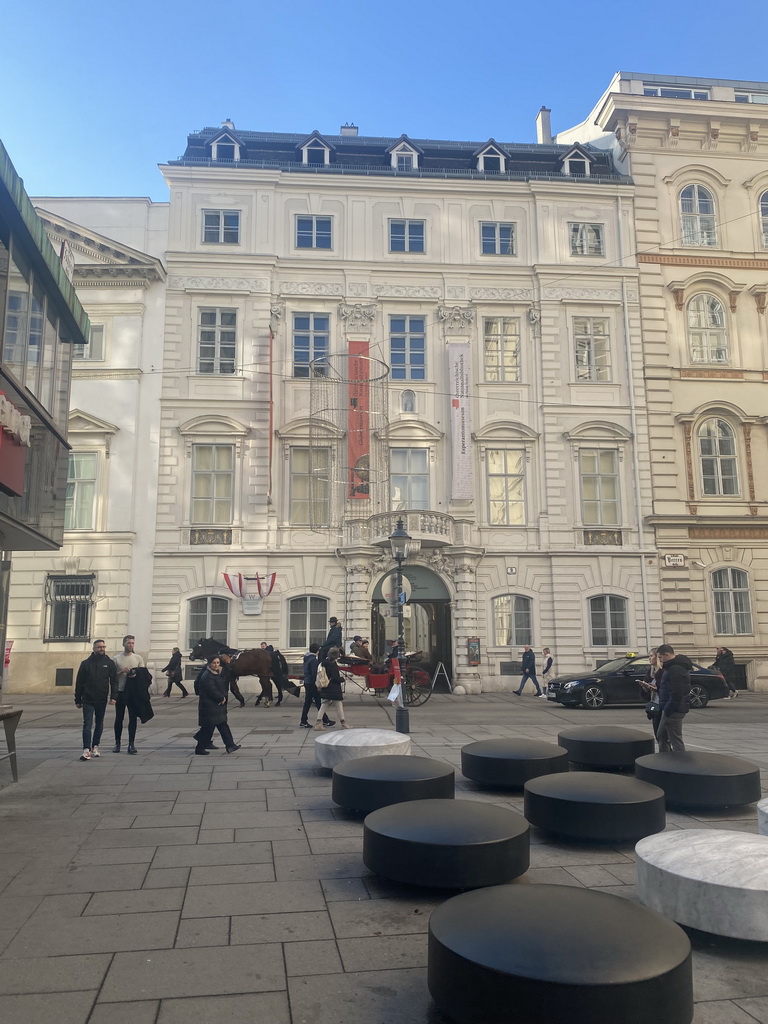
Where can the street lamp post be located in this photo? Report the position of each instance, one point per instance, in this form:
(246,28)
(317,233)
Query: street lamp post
(400,543)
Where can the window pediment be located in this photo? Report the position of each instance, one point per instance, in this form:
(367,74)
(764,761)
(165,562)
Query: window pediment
(302,429)
(412,429)
(505,430)
(213,426)
(692,174)
(596,431)
(84,423)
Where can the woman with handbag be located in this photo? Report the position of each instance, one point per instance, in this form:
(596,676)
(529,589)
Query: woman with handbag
(651,687)
(173,671)
(329,686)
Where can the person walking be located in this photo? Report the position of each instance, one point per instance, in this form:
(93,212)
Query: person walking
(212,708)
(332,693)
(311,696)
(650,685)
(674,684)
(138,702)
(546,675)
(726,666)
(332,640)
(124,662)
(529,671)
(173,671)
(96,683)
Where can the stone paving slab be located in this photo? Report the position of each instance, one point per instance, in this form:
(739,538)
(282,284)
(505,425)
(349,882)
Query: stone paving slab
(56,1008)
(254,1008)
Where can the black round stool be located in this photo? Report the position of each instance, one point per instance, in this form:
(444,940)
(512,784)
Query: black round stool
(510,763)
(367,783)
(605,746)
(693,779)
(542,954)
(594,806)
(447,844)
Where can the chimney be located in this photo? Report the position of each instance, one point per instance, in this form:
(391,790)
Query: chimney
(228,124)
(348,129)
(543,126)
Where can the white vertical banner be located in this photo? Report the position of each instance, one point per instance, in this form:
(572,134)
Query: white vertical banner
(462,480)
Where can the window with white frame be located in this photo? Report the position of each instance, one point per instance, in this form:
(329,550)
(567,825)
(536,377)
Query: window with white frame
(213,484)
(609,621)
(586,239)
(94,349)
(707,337)
(505,479)
(600,486)
(307,621)
(311,334)
(697,216)
(675,92)
(751,97)
(216,340)
(310,487)
(732,604)
(406,236)
(592,347)
(407,348)
(501,348)
(69,607)
(719,461)
(764,219)
(314,232)
(208,617)
(409,478)
(512,621)
(221,227)
(405,159)
(80,506)
(497,239)
(491,161)
(576,165)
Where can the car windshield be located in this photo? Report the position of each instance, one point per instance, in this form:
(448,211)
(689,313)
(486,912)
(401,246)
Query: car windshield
(641,664)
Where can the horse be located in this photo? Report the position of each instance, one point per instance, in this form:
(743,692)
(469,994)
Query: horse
(251,662)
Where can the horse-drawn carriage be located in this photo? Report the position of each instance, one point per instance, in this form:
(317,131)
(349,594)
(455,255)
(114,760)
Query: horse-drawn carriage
(378,679)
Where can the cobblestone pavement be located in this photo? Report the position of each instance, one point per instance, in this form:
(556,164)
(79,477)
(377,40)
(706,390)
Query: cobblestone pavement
(168,888)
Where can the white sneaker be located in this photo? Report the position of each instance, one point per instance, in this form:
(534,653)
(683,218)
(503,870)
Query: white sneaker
(86,755)
(95,752)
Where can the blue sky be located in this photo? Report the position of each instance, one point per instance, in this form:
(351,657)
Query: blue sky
(96,94)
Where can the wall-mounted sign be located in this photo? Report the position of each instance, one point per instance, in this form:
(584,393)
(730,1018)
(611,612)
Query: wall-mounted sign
(511,570)
(473,650)
(674,561)
(15,431)
(459,365)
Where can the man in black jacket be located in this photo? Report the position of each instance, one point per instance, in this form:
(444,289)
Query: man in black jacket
(332,640)
(311,696)
(726,666)
(529,671)
(96,684)
(674,685)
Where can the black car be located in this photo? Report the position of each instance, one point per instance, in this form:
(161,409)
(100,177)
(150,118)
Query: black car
(618,682)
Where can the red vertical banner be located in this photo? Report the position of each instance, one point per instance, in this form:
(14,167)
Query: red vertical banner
(358,421)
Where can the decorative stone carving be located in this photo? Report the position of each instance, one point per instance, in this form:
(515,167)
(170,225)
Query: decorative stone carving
(747,428)
(310,288)
(715,262)
(673,134)
(712,137)
(197,537)
(604,294)
(749,145)
(465,569)
(503,294)
(359,569)
(688,436)
(759,300)
(357,317)
(598,537)
(455,292)
(679,295)
(276,311)
(402,291)
(212,284)
(456,319)
(358,289)
(439,563)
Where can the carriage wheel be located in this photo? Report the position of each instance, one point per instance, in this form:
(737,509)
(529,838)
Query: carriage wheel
(417,686)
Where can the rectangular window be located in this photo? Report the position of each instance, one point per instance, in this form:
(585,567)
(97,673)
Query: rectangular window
(310,487)
(501,348)
(405,161)
(609,621)
(221,227)
(81,491)
(69,602)
(217,340)
(213,484)
(671,92)
(409,478)
(512,621)
(406,236)
(94,350)
(311,334)
(586,239)
(313,233)
(599,472)
(307,621)
(592,345)
(505,473)
(407,347)
(497,239)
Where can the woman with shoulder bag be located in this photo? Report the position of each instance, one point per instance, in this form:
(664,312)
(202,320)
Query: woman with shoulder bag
(330,688)
(211,685)
(651,687)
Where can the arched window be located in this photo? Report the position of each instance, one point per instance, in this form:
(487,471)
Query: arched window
(208,616)
(512,621)
(707,337)
(730,594)
(307,621)
(407,401)
(717,453)
(697,213)
(764,219)
(609,621)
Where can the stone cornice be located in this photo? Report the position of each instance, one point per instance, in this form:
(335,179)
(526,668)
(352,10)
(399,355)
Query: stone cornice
(723,262)
(93,373)
(112,276)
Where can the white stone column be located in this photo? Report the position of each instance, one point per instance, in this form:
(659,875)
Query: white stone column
(465,626)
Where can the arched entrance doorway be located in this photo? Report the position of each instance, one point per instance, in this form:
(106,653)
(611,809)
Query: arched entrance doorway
(427,623)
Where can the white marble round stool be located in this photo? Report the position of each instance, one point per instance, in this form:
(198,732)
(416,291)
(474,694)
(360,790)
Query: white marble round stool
(709,879)
(331,748)
(762,817)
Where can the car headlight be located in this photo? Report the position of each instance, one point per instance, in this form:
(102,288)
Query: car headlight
(571,685)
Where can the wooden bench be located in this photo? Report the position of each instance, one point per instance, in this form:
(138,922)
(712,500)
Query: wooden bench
(10,720)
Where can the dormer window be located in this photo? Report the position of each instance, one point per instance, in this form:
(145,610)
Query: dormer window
(404,156)
(491,159)
(316,155)
(576,162)
(315,152)
(225,147)
(405,161)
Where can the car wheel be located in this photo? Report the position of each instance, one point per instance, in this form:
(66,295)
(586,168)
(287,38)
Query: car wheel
(593,697)
(698,696)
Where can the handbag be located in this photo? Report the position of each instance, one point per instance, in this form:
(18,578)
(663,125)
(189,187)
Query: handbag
(652,708)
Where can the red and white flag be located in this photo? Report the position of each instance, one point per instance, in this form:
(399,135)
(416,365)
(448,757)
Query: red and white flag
(265,586)
(235,583)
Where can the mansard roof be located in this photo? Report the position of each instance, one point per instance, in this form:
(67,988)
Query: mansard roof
(360,154)
(405,141)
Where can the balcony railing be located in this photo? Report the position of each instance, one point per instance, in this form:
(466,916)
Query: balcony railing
(431,529)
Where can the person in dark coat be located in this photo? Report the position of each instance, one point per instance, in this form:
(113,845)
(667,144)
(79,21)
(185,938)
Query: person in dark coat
(138,703)
(529,671)
(311,696)
(726,666)
(173,671)
(333,693)
(674,685)
(96,683)
(650,685)
(332,640)
(212,687)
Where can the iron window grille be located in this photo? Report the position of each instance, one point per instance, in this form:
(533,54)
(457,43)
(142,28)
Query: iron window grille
(69,604)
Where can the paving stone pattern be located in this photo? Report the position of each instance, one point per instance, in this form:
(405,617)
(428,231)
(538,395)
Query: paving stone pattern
(164,887)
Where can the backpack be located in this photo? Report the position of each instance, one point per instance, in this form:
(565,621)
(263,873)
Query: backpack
(321,680)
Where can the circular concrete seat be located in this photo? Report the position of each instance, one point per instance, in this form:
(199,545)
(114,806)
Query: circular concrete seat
(595,806)
(709,879)
(331,748)
(762,817)
(694,779)
(605,746)
(511,762)
(447,844)
(367,783)
(543,954)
